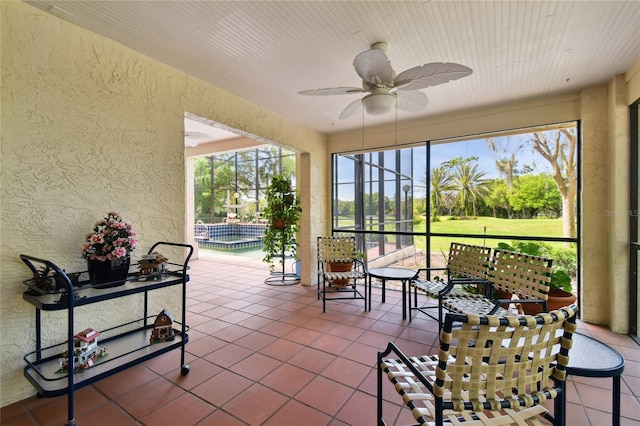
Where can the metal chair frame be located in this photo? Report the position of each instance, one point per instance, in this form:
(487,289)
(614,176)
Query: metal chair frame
(340,250)
(466,265)
(524,276)
(489,370)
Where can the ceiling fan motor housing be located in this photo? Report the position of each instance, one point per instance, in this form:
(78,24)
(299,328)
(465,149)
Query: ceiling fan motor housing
(379,101)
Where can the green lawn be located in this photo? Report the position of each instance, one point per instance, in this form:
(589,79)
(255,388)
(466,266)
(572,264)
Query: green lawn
(546,227)
(489,226)
(480,226)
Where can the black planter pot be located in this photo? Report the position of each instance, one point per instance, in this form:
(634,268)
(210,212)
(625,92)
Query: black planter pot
(110,273)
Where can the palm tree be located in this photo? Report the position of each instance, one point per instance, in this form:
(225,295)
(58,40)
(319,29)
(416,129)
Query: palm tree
(469,183)
(441,183)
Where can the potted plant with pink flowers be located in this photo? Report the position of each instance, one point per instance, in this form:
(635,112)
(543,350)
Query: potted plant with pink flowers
(107,250)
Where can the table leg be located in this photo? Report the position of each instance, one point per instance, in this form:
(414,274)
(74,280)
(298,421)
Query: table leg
(415,302)
(384,287)
(616,401)
(404,299)
(368,278)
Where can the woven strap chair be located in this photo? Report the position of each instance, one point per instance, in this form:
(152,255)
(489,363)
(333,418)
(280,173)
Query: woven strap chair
(333,284)
(467,265)
(489,370)
(514,275)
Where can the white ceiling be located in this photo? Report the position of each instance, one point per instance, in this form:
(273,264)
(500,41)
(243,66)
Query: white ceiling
(268,51)
(196,132)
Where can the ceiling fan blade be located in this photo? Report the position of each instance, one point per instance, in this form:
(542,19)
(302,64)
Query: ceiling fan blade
(411,100)
(332,91)
(373,66)
(351,109)
(430,75)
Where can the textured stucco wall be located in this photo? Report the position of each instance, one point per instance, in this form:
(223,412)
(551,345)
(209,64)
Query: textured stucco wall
(618,223)
(596,185)
(532,112)
(89,126)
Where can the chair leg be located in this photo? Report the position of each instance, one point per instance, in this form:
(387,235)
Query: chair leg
(409,301)
(324,294)
(365,294)
(380,420)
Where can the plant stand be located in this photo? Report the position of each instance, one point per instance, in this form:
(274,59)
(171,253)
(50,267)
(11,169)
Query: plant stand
(282,277)
(282,213)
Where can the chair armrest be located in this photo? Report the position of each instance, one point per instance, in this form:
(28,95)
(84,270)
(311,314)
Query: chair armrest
(452,283)
(320,267)
(359,263)
(423,272)
(392,348)
(432,269)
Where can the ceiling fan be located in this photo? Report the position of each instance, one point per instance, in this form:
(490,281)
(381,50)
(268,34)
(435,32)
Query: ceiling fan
(386,89)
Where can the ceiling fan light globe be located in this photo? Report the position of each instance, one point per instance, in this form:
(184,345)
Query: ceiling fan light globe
(376,104)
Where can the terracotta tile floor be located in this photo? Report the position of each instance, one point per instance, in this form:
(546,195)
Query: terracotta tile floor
(267,355)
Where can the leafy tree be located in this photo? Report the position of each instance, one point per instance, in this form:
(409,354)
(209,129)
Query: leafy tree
(498,197)
(559,148)
(535,193)
(506,166)
(202,177)
(223,181)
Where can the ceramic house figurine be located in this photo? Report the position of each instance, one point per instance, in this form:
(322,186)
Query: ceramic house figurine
(86,351)
(162,327)
(152,265)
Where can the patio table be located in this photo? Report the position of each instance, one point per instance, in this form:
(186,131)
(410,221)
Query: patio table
(589,357)
(403,275)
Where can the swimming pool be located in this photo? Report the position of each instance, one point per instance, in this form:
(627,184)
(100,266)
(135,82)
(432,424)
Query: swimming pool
(229,237)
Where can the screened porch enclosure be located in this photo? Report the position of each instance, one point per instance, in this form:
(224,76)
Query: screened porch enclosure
(407,204)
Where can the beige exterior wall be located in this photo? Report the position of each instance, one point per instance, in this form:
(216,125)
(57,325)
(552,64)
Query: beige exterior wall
(618,192)
(632,79)
(511,116)
(90,126)
(595,231)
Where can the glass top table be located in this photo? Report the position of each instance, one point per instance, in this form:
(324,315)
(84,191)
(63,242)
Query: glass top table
(589,357)
(403,275)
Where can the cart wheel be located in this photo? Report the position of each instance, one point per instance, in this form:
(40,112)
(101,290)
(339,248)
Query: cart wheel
(184,370)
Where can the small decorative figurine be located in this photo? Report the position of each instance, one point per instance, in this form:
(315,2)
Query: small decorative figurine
(152,265)
(46,280)
(42,282)
(86,351)
(162,327)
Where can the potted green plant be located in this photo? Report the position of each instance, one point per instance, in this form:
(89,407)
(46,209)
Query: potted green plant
(282,212)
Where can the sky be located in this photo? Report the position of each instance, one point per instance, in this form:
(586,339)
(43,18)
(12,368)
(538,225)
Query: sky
(472,148)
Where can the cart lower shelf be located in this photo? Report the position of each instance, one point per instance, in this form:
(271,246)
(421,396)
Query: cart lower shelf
(123,351)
